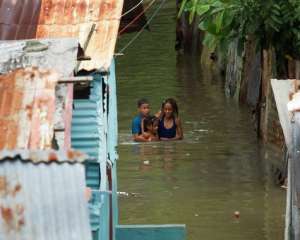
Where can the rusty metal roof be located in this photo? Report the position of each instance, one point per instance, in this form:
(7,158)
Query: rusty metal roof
(65,18)
(38,156)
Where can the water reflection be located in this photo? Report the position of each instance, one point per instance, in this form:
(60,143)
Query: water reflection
(158,153)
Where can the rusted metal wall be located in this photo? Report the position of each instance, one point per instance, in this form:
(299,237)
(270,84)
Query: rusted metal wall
(42,196)
(65,18)
(57,54)
(27,98)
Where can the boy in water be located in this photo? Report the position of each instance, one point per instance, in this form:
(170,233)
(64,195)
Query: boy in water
(144,110)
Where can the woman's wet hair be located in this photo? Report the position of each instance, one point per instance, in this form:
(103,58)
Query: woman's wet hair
(151,120)
(173,104)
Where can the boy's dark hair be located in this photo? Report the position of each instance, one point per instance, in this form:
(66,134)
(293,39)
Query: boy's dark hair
(142,101)
(149,121)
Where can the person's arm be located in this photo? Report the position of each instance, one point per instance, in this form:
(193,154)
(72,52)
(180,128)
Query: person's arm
(139,138)
(158,114)
(179,131)
(136,129)
(153,138)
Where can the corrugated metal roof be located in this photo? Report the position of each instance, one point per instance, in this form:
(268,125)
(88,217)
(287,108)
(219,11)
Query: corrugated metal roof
(38,156)
(43,201)
(27,105)
(65,18)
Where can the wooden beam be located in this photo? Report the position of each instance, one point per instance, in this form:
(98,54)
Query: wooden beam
(75,79)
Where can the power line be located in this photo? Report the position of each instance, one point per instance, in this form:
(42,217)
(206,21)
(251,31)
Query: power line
(143,28)
(137,17)
(130,10)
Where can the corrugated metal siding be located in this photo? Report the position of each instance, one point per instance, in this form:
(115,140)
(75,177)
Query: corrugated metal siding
(65,18)
(46,54)
(85,133)
(43,201)
(88,133)
(27,106)
(88,122)
(92,173)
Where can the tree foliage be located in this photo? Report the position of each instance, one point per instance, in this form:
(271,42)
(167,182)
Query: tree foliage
(270,22)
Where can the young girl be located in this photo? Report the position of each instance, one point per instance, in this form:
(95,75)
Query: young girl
(169,126)
(150,128)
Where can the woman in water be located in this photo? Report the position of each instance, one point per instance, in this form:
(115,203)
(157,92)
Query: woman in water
(169,125)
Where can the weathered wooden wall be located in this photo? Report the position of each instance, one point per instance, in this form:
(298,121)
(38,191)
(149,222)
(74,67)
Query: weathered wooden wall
(247,80)
(233,71)
(251,75)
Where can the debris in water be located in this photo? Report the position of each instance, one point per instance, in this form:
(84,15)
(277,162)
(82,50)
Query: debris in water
(237,214)
(134,194)
(201,130)
(147,162)
(123,194)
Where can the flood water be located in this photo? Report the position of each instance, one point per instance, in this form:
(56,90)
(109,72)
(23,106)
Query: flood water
(218,168)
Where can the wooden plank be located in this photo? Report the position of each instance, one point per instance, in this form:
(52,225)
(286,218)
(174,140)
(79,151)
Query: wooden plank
(281,90)
(151,232)
(75,79)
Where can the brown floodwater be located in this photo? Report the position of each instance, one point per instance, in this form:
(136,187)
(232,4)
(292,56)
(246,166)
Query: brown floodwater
(219,167)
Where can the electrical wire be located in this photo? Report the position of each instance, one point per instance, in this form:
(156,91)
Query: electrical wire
(130,10)
(143,28)
(137,17)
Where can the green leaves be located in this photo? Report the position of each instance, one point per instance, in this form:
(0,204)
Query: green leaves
(271,22)
(202,9)
(182,7)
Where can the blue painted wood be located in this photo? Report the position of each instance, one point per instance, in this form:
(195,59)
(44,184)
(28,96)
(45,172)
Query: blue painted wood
(113,141)
(112,116)
(115,208)
(104,218)
(89,131)
(151,232)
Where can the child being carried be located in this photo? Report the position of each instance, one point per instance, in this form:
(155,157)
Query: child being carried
(149,128)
